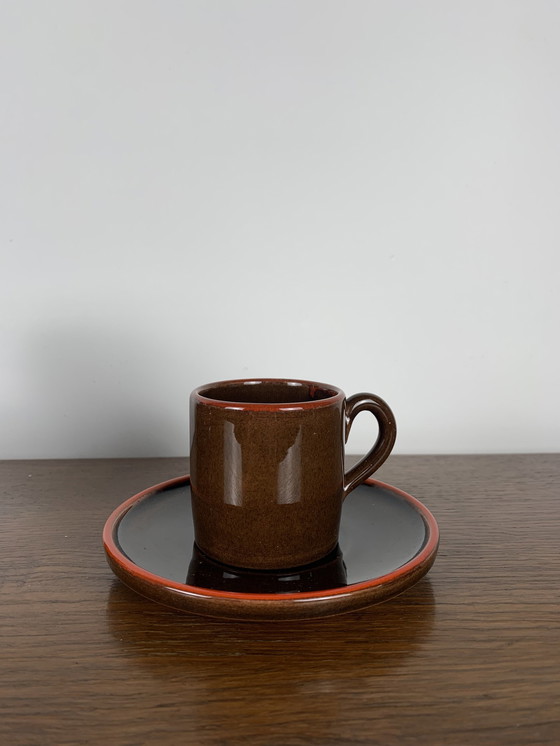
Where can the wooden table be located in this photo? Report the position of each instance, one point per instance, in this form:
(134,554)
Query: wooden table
(471,655)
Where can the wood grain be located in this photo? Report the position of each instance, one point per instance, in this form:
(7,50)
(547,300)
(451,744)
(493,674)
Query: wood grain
(470,655)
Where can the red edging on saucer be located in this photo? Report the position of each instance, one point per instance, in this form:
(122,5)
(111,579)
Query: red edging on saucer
(273,605)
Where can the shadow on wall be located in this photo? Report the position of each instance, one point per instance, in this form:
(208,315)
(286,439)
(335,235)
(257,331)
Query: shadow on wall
(100,393)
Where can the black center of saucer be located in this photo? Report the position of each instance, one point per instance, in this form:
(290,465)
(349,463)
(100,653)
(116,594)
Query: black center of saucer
(380,531)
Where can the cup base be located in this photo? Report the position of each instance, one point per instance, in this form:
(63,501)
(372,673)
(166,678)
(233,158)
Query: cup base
(289,565)
(328,572)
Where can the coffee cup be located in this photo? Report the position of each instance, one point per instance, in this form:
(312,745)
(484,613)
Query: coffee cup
(267,468)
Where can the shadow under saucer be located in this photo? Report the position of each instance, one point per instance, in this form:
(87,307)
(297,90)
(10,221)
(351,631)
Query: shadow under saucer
(375,639)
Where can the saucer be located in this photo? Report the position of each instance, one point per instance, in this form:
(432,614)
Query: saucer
(388,541)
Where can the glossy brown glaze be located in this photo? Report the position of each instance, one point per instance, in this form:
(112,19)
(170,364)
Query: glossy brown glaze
(267,468)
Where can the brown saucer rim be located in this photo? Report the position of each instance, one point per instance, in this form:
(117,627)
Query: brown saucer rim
(261,606)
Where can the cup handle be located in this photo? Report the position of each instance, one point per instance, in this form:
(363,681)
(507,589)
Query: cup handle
(383,445)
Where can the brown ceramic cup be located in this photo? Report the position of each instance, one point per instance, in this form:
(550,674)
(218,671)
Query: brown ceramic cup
(267,468)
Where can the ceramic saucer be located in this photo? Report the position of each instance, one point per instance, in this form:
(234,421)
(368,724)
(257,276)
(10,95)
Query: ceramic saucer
(388,541)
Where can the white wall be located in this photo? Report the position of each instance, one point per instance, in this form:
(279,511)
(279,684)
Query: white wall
(365,193)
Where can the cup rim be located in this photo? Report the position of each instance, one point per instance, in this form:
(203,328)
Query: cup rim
(337,395)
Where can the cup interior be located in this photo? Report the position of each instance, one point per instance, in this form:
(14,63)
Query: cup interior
(268,392)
